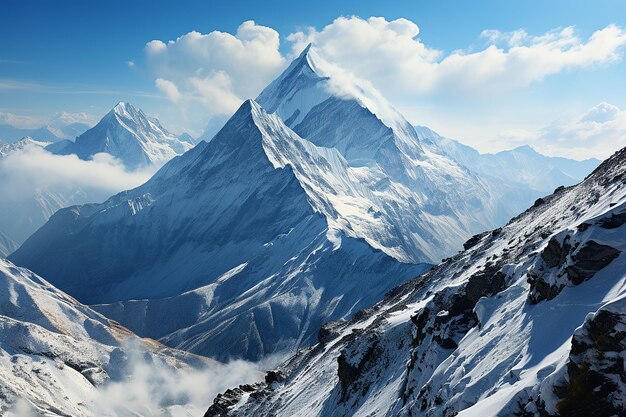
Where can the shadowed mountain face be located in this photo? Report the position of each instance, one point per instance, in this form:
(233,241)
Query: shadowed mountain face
(528,320)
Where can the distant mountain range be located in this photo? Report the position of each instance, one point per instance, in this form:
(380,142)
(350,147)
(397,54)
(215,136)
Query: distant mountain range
(129,135)
(10,134)
(523,166)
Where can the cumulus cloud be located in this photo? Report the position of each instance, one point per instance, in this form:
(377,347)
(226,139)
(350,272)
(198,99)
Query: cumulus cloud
(65,118)
(597,132)
(215,71)
(33,167)
(20,121)
(59,120)
(390,54)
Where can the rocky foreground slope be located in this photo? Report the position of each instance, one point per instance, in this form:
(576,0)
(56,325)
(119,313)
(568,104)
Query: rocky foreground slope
(529,320)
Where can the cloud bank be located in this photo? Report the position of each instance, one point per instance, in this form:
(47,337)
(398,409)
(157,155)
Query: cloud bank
(34,184)
(33,167)
(390,54)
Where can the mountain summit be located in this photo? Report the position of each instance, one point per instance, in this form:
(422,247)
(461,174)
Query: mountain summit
(129,135)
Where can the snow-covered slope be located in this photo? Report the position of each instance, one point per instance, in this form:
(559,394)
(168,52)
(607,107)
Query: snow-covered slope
(528,320)
(423,203)
(55,352)
(130,136)
(522,167)
(230,248)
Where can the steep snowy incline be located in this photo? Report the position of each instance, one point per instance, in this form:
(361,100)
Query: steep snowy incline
(426,202)
(495,330)
(228,245)
(55,353)
(131,136)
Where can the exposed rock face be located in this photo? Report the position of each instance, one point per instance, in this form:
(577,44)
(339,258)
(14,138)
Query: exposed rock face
(589,259)
(593,383)
(570,258)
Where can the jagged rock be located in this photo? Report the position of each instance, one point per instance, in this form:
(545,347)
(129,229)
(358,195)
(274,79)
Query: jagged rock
(614,221)
(596,379)
(539,202)
(274,376)
(555,254)
(349,372)
(473,241)
(591,258)
(573,265)
(326,333)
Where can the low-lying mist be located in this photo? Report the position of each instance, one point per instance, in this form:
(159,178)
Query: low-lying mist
(153,388)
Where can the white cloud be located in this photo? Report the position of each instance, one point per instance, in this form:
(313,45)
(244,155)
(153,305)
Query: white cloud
(21,121)
(217,70)
(65,118)
(169,89)
(57,120)
(390,55)
(599,132)
(602,113)
(34,168)
(152,387)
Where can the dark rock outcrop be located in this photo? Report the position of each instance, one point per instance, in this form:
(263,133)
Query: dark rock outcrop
(589,259)
(596,379)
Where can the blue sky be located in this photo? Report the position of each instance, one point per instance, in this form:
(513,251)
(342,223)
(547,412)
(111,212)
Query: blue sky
(72,56)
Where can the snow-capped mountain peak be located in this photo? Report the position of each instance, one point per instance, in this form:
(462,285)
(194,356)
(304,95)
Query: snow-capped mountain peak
(312,87)
(130,135)
(24,143)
